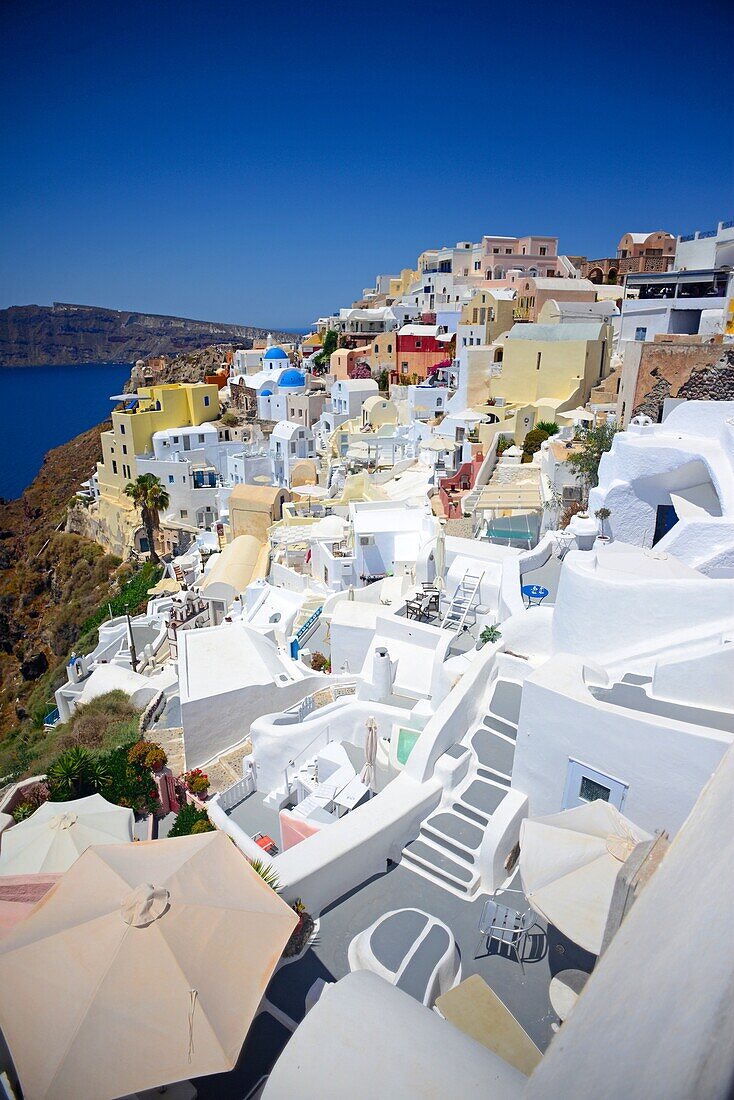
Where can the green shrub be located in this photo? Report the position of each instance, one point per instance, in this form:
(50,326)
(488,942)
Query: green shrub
(131,784)
(533,441)
(230,419)
(548,426)
(133,592)
(504,444)
(187,820)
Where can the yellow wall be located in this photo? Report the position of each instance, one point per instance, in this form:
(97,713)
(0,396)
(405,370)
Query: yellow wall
(564,367)
(496,314)
(181,406)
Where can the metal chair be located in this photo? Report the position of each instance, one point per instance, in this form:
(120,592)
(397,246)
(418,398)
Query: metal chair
(507,926)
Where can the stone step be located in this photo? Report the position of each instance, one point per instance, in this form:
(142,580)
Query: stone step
(483,795)
(431,855)
(432,874)
(494,751)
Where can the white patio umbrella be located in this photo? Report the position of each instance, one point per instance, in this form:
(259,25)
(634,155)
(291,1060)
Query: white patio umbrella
(144,965)
(569,863)
(439,557)
(367,775)
(54,837)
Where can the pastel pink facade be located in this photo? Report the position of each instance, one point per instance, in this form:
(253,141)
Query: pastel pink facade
(536,256)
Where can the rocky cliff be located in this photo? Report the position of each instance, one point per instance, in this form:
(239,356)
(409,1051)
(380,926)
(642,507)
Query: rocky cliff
(61,334)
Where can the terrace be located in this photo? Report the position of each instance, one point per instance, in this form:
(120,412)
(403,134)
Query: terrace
(524,990)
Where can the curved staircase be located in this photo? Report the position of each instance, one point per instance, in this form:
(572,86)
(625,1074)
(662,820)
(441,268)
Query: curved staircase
(447,846)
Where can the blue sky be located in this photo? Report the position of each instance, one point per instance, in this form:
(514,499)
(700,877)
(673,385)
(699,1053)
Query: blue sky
(261,162)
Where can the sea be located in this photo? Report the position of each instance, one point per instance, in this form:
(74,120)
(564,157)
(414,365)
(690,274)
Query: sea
(42,407)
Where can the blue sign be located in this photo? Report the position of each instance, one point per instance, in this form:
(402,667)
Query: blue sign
(534,592)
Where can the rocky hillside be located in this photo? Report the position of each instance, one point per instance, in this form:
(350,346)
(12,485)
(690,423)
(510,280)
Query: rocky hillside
(61,334)
(190,366)
(50,582)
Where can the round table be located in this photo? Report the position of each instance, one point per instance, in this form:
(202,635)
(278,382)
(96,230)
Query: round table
(564,990)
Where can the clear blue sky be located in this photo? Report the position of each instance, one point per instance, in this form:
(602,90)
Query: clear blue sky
(261,162)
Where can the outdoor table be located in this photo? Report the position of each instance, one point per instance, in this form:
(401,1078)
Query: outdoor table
(564,990)
(534,594)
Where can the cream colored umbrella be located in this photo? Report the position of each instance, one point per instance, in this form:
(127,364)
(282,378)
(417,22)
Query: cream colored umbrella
(367,775)
(144,965)
(54,837)
(439,557)
(569,863)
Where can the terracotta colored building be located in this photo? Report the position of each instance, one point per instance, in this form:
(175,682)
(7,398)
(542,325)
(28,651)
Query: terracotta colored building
(636,253)
(418,349)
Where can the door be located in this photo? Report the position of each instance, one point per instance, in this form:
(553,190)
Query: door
(585,784)
(665,520)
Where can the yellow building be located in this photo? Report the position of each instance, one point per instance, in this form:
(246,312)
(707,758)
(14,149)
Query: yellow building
(491,309)
(551,368)
(177,405)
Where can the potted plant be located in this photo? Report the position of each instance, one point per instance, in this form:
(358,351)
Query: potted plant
(488,636)
(602,514)
(197,782)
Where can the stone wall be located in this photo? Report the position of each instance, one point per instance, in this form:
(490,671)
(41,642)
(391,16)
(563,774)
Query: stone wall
(697,372)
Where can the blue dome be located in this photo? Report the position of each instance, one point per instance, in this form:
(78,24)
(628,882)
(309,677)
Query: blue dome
(291,379)
(275,353)
(266,393)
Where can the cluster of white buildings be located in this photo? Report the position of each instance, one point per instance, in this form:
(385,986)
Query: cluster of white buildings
(399,620)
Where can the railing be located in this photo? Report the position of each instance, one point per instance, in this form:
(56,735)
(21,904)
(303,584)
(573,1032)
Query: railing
(237,793)
(727,225)
(52,718)
(707,233)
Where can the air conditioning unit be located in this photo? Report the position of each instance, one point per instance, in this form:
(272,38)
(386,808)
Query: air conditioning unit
(366,540)
(571,492)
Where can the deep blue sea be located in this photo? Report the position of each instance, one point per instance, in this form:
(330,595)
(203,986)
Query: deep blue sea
(41,407)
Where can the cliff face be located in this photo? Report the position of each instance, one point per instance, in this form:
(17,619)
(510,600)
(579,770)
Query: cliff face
(50,581)
(61,334)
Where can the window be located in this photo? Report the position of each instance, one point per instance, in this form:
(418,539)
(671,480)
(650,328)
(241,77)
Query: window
(585,784)
(175,439)
(591,791)
(201,439)
(124,449)
(537,365)
(184,513)
(404,368)
(508,252)
(206,400)
(439,401)
(543,250)
(640,333)
(389,349)
(122,429)
(496,251)
(114,467)
(477,265)
(170,479)
(377,349)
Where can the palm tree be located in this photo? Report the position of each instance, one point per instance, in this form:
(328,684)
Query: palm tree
(151,498)
(75,774)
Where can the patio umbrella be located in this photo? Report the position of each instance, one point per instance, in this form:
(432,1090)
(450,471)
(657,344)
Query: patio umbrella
(569,863)
(439,557)
(367,775)
(54,837)
(143,966)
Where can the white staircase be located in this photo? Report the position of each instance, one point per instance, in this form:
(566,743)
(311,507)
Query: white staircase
(462,603)
(447,846)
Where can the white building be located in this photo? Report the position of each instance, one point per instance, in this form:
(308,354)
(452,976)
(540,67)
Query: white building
(705,249)
(671,485)
(289,444)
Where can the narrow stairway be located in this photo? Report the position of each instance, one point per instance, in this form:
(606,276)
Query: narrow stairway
(446,848)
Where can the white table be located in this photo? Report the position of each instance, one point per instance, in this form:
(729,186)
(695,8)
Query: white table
(564,991)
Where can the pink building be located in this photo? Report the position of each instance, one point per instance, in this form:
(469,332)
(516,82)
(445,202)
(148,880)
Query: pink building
(535,256)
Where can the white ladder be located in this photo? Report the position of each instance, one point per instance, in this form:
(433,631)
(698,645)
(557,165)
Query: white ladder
(462,602)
